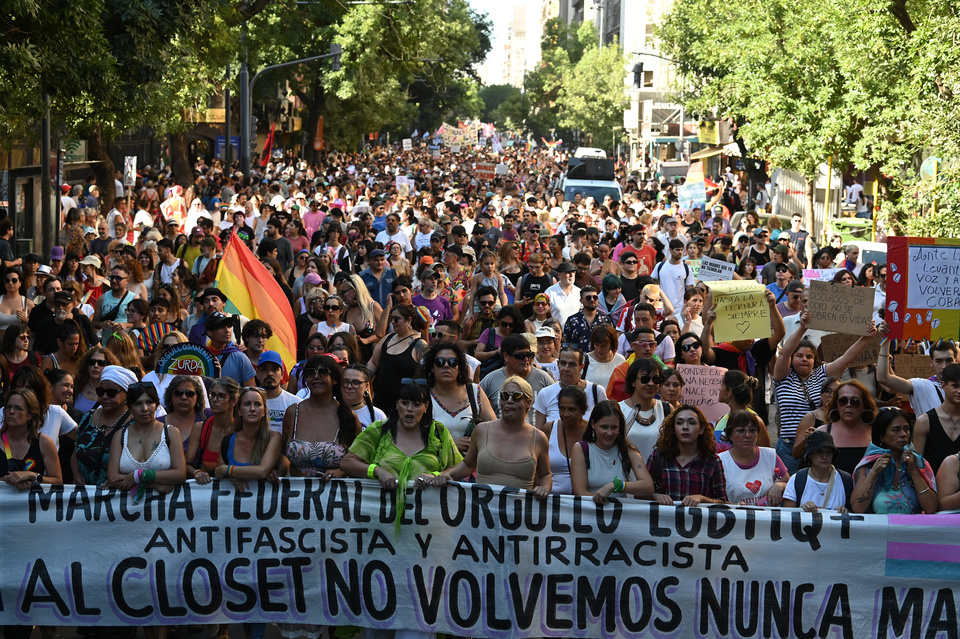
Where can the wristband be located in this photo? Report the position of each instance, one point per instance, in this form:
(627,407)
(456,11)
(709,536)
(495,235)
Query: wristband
(435,473)
(370,469)
(199,470)
(618,485)
(40,479)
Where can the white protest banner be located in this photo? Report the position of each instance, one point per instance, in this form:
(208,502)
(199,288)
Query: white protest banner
(713,270)
(407,144)
(742,311)
(435,153)
(701,388)
(819,274)
(469,560)
(839,308)
(502,169)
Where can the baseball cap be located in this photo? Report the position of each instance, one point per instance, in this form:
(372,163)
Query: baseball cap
(545,331)
(63,297)
(428,273)
(757,232)
(781,249)
(272,357)
(197,232)
(216,320)
(566,267)
(795,287)
(56,253)
(377,253)
(312,278)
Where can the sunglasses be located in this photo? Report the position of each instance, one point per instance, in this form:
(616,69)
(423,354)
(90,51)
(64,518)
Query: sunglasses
(108,392)
(446,362)
(117,278)
(782,269)
(515,396)
(523,355)
(647,379)
(181,393)
(630,261)
(686,348)
(509,325)
(97,362)
(11,280)
(852,401)
(335,307)
(353,383)
(486,303)
(310,373)
(419,381)
(590,298)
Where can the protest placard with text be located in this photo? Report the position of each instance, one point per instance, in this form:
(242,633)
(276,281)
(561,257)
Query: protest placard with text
(742,311)
(702,389)
(840,308)
(819,274)
(923,288)
(910,366)
(407,144)
(834,345)
(713,270)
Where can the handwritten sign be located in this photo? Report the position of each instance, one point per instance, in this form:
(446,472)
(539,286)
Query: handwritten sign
(485,170)
(407,144)
(742,311)
(923,288)
(819,274)
(186,359)
(839,308)
(403,186)
(712,270)
(702,389)
(834,345)
(912,366)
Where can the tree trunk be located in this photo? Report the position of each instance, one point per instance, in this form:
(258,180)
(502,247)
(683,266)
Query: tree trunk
(315,108)
(808,217)
(182,173)
(103,169)
(757,175)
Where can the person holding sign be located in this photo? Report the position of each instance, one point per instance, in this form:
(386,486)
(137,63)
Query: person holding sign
(925,394)
(796,371)
(604,462)
(685,466)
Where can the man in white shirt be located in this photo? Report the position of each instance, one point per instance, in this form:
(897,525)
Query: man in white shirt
(570,364)
(674,275)
(269,376)
(393,234)
(564,296)
(424,233)
(924,394)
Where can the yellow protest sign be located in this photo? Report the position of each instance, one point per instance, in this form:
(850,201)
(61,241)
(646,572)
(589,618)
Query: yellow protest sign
(742,311)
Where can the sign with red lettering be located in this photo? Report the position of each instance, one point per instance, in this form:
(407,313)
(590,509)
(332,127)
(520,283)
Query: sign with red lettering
(486,170)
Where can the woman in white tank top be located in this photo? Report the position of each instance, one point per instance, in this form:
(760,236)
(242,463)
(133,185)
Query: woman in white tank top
(564,434)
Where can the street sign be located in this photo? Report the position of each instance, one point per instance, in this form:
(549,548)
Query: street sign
(221,142)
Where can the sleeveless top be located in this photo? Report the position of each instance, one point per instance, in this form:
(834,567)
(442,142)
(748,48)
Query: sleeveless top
(939,446)
(644,438)
(386,386)
(226,451)
(32,461)
(456,422)
(559,464)
(93,447)
(312,459)
(501,472)
(208,457)
(849,456)
(605,465)
(159,459)
(6,321)
(749,485)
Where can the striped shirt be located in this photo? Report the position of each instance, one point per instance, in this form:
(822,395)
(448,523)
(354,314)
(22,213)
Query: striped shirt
(796,398)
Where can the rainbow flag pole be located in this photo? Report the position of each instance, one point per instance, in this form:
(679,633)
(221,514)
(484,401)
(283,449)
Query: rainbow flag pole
(251,291)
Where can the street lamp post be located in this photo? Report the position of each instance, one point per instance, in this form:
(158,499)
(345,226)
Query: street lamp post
(246,91)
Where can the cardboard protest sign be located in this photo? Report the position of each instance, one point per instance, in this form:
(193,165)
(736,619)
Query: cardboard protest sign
(742,311)
(712,270)
(839,308)
(407,144)
(485,170)
(834,345)
(912,366)
(702,389)
(819,274)
(403,186)
(923,288)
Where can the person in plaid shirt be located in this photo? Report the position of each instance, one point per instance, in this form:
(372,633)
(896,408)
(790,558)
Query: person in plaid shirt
(685,466)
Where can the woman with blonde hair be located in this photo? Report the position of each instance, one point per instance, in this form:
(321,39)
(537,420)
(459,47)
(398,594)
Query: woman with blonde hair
(121,345)
(362,312)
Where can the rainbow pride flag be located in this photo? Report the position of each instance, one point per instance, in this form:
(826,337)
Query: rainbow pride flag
(552,145)
(253,292)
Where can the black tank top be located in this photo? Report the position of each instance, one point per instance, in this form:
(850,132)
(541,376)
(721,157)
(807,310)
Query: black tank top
(938,446)
(531,287)
(32,461)
(392,369)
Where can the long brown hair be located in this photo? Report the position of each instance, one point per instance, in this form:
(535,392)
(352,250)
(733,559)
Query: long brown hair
(610,408)
(263,431)
(669,445)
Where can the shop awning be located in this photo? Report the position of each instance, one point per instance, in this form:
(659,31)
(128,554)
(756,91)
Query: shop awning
(709,152)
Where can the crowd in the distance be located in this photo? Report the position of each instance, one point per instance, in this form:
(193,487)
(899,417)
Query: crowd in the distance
(459,330)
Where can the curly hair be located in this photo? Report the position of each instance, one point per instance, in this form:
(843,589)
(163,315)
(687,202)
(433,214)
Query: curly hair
(194,381)
(430,357)
(669,445)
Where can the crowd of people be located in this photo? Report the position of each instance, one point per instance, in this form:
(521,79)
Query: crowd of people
(458,330)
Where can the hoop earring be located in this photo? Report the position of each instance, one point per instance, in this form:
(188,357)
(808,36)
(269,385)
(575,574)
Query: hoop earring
(863,416)
(832,413)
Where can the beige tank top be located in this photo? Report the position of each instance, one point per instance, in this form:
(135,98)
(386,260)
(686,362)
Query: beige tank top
(501,472)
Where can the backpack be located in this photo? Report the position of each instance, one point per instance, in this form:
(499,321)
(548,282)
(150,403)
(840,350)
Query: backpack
(659,267)
(845,477)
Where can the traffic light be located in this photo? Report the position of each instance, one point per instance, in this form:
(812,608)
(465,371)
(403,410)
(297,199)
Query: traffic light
(638,75)
(336,50)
